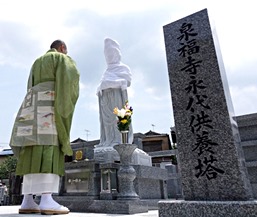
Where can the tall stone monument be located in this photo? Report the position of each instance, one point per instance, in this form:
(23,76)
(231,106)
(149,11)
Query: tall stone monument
(214,177)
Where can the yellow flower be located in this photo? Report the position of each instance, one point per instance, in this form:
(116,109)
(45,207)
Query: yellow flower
(124,121)
(115,111)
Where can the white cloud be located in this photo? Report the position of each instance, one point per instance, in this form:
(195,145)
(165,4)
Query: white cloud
(244,99)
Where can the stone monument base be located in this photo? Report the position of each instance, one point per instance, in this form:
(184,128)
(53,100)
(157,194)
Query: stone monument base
(83,179)
(77,204)
(110,155)
(184,208)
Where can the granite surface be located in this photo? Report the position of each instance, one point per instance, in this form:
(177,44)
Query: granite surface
(78,204)
(211,158)
(150,182)
(183,208)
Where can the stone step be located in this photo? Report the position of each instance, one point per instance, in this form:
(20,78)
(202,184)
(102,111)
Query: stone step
(249,143)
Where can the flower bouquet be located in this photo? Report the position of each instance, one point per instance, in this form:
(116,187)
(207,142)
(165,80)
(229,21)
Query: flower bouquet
(124,116)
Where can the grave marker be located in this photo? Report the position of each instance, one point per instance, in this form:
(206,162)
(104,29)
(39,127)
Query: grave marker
(211,158)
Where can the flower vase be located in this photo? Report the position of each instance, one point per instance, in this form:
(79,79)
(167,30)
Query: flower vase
(126,173)
(124,136)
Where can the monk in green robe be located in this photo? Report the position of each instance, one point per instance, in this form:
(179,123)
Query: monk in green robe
(41,132)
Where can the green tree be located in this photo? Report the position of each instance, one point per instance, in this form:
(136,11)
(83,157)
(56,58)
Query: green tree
(7,167)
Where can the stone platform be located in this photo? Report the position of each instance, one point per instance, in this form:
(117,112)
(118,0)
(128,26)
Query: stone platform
(184,208)
(84,204)
(12,211)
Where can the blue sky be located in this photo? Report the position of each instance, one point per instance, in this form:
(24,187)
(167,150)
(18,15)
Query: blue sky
(29,27)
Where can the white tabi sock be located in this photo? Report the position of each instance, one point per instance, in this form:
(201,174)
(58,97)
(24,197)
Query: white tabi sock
(28,202)
(48,203)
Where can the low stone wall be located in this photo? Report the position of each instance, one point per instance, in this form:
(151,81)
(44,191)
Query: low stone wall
(247,125)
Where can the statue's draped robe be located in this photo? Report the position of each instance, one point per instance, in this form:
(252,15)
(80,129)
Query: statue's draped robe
(41,132)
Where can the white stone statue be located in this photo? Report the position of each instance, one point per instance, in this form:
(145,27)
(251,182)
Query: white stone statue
(112,92)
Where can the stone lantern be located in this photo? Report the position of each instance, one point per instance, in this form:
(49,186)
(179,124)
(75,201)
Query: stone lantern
(108,181)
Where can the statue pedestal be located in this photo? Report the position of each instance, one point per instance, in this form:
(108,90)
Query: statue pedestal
(126,173)
(106,155)
(110,155)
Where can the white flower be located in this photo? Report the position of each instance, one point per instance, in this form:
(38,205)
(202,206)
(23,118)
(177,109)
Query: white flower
(121,113)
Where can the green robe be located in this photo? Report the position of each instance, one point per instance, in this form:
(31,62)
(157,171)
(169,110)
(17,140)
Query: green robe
(41,132)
